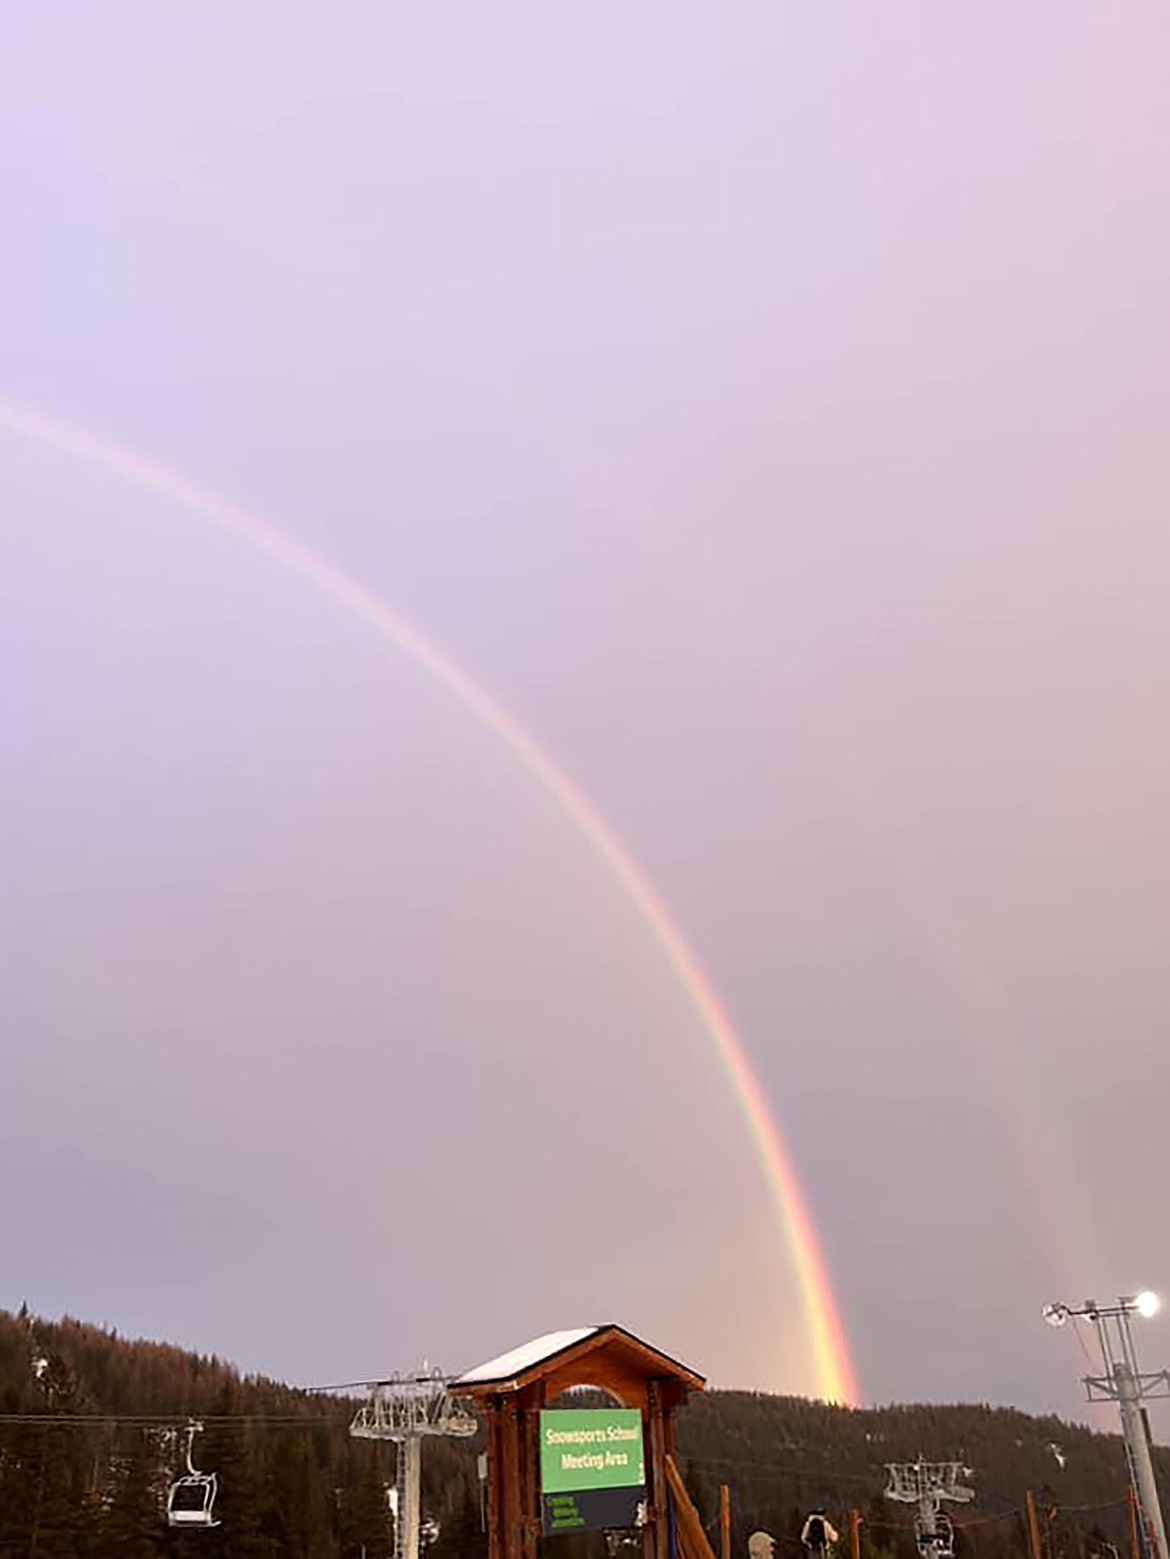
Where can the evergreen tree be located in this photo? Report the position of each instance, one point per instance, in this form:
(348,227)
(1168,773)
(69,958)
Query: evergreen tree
(132,1522)
(297,1517)
(461,1534)
(365,1528)
(233,1453)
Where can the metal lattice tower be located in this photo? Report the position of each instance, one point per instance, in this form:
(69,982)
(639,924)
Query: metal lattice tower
(927,1485)
(406,1409)
(1130,1387)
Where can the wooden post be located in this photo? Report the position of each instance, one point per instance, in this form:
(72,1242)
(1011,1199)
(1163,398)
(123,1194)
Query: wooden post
(724,1521)
(658,1480)
(855,1534)
(1033,1527)
(494,1480)
(529,1442)
(1131,1512)
(512,1512)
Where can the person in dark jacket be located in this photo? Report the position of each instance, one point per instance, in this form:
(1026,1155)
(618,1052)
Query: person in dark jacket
(817,1534)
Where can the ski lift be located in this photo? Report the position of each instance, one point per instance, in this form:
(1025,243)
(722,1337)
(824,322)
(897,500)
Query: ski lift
(191,1499)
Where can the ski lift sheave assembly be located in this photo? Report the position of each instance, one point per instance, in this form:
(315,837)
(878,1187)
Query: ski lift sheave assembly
(408,1409)
(927,1485)
(191,1498)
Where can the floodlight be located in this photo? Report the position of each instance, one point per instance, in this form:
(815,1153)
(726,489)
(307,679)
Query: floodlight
(1147,1304)
(1055,1315)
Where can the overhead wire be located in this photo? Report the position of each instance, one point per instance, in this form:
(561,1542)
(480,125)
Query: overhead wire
(1080,1337)
(166,1420)
(781,1469)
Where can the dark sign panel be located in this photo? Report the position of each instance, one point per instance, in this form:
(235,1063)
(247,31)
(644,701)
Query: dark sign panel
(592,1510)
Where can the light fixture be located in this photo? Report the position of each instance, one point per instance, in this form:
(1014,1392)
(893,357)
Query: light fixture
(1124,1383)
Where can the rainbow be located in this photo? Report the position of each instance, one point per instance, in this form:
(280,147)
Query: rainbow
(834,1371)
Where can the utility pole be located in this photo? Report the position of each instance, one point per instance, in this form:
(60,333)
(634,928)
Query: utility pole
(724,1522)
(1124,1383)
(927,1485)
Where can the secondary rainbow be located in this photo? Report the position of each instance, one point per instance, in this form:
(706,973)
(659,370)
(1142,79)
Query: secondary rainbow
(834,1370)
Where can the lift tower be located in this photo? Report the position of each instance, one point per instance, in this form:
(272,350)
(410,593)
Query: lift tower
(927,1485)
(407,1409)
(1126,1384)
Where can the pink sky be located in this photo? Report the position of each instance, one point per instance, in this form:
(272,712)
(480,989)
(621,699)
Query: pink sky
(767,401)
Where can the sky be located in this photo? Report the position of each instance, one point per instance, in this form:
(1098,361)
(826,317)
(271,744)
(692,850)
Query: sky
(765,402)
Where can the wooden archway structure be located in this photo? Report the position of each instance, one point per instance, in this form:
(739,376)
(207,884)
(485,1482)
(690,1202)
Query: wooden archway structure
(510,1392)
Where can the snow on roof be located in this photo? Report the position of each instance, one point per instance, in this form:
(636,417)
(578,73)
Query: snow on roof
(509,1365)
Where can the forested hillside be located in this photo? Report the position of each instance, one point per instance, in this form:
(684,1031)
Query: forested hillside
(91,1434)
(782,1455)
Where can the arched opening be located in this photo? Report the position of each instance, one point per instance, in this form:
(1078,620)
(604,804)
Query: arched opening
(586,1395)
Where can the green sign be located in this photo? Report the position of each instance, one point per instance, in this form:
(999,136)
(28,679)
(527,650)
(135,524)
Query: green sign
(592,1469)
(595,1448)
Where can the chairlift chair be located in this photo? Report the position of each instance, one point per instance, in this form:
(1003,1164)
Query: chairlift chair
(191,1498)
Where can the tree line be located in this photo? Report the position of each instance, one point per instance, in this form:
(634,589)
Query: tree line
(782,1456)
(91,1437)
